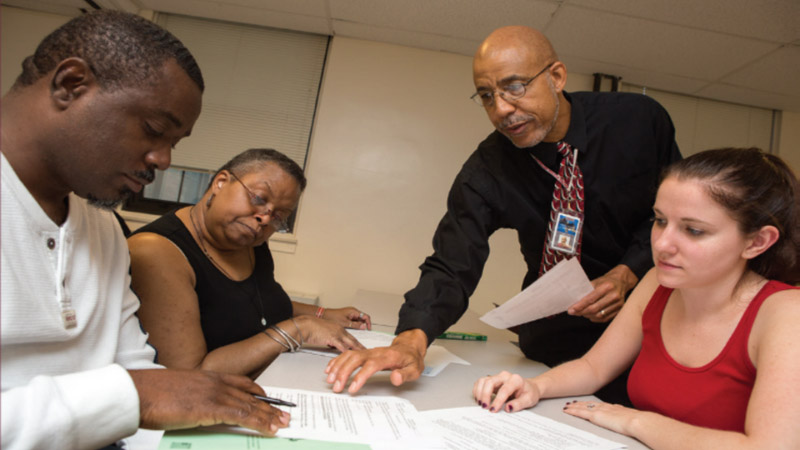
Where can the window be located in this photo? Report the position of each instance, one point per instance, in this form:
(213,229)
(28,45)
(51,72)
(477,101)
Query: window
(172,188)
(261,91)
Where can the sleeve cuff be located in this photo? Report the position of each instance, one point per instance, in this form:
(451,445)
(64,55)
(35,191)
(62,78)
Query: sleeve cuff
(104,404)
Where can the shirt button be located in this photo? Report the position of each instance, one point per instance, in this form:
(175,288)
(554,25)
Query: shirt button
(51,243)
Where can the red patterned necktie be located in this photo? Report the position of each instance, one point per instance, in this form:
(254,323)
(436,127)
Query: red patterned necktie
(567,196)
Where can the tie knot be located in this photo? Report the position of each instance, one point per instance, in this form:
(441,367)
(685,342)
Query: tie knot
(563,148)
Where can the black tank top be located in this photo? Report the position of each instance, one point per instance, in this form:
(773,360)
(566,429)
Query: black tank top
(228,309)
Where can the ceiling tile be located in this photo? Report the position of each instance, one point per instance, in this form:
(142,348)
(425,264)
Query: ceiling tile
(64,7)
(772,20)
(242,14)
(672,50)
(778,72)
(407,38)
(469,19)
(680,46)
(633,76)
(745,96)
(316,8)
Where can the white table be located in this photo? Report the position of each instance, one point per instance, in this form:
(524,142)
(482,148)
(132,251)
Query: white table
(453,386)
(450,389)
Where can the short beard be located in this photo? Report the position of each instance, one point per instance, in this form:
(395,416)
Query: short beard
(544,132)
(125,194)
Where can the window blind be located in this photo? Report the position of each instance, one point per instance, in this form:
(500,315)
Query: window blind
(261,89)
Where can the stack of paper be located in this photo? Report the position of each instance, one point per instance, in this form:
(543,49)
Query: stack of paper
(324,420)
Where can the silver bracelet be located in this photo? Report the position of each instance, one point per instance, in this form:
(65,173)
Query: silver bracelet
(282,344)
(299,333)
(288,337)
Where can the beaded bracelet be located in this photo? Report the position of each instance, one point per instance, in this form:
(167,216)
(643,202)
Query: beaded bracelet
(320,312)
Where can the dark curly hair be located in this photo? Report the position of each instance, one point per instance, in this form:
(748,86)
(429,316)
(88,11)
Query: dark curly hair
(122,49)
(757,189)
(252,159)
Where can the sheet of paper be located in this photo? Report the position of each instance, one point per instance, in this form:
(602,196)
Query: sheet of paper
(474,428)
(369,339)
(436,359)
(383,422)
(553,293)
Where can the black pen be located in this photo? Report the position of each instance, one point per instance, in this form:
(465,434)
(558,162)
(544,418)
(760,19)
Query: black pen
(274,401)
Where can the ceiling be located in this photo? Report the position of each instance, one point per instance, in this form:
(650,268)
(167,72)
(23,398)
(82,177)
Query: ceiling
(740,51)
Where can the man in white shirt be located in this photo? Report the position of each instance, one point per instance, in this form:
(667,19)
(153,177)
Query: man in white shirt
(97,108)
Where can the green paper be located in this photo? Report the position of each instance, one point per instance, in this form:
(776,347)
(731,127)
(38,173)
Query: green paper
(203,440)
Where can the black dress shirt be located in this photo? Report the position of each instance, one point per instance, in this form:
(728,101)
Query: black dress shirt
(623,141)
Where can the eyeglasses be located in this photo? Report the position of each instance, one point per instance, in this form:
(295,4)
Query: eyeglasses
(509,92)
(277,222)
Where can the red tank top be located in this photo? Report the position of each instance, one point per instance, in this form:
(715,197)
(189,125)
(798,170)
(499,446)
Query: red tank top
(714,395)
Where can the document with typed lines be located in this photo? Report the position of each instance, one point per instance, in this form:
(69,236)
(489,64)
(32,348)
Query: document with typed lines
(383,422)
(474,428)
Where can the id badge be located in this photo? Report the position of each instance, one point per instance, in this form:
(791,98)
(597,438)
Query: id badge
(567,231)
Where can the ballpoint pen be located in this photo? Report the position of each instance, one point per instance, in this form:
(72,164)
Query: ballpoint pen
(274,401)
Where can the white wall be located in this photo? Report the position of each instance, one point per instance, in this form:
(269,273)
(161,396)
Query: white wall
(789,143)
(393,127)
(20,32)
(703,124)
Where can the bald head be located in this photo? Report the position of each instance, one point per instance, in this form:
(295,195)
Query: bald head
(524,41)
(519,80)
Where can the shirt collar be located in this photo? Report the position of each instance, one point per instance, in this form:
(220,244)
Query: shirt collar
(576,133)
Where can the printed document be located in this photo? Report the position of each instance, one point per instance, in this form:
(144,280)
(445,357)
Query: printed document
(383,422)
(553,293)
(474,428)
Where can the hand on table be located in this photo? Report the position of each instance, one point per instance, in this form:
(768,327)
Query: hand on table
(405,358)
(614,417)
(608,296)
(349,317)
(515,392)
(174,399)
(324,333)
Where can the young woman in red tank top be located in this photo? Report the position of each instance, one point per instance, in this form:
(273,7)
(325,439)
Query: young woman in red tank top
(711,330)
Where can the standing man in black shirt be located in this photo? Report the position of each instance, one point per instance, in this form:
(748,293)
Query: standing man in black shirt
(615,145)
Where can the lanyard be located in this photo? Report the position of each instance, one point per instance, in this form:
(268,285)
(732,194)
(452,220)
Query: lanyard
(555,175)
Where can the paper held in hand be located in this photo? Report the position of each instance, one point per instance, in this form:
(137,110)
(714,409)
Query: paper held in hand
(553,293)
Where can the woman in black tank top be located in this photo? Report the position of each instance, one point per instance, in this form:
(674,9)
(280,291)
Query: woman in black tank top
(205,275)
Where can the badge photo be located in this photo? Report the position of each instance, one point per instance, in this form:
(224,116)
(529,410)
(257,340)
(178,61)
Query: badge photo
(566,232)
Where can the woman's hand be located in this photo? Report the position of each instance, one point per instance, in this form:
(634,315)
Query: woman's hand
(616,418)
(348,317)
(324,333)
(522,392)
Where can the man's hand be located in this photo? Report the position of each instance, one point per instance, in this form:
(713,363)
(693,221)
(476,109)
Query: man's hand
(405,358)
(608,296)
(174,399)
